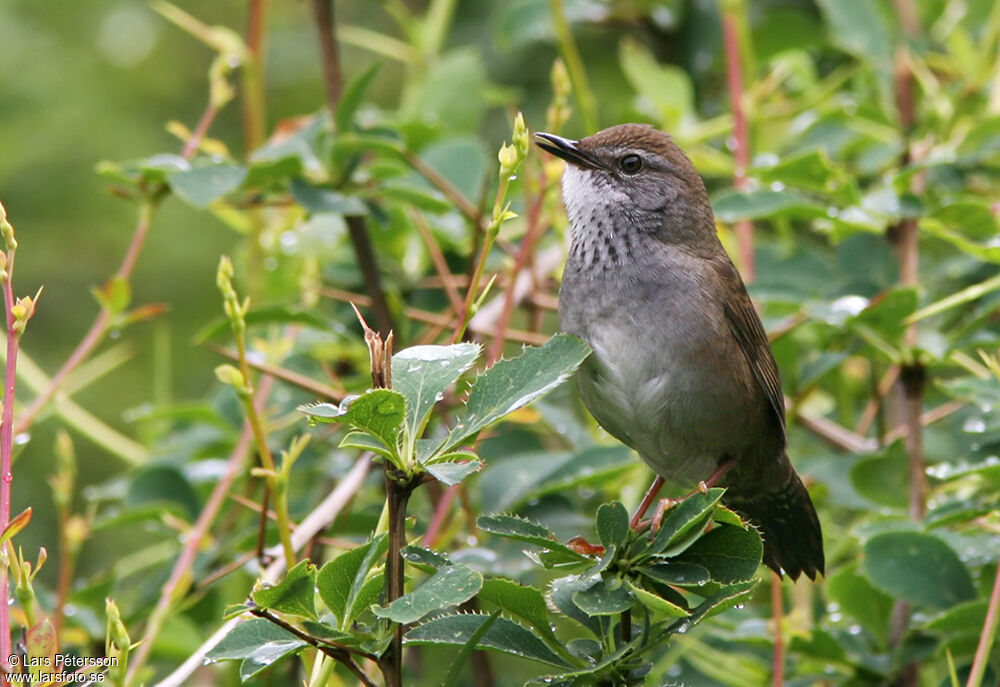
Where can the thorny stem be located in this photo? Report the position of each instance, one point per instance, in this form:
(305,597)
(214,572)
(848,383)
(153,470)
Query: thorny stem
(397,496)
(741,146)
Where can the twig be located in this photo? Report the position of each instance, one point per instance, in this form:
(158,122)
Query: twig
(101,323)
(356,228)
(285,375)
(316,521)
(254,109)
(741,146)
(337,653)
(181,572)
(437,257)
(440,513)
(987,636)
(397,495)
(777,616)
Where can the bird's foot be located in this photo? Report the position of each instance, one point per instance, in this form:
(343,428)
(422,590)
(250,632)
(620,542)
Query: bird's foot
(661,510)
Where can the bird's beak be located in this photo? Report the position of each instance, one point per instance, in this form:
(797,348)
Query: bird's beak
(566,149)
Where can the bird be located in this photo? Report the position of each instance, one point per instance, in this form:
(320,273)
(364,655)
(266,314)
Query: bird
(681,369)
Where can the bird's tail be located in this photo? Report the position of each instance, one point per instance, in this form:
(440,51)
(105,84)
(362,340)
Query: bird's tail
(786,518)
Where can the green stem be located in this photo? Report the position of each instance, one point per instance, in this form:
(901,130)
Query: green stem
(574,65)
(397,495)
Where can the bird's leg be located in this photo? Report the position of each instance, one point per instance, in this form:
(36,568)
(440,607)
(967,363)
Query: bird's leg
(647,501)
(713,479)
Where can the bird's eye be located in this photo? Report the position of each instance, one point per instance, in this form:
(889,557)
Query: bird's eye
(630,164)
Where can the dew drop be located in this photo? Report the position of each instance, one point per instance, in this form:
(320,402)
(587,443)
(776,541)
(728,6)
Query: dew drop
(974,425)
(777,186)
(22,438)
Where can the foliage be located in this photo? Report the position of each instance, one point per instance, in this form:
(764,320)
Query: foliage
(479,519)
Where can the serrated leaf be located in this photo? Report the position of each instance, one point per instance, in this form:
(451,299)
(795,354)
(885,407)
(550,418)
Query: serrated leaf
(449,586)
(512,384)
(730,554)
(514,527)
(607,596)
(676,573)
(684,522)
(504,636)
(520,600)
(423,373)
(453,473)
(561,593)
(724,599)
(341,580)
(293,595)
(202,185)
(917,567)
(612,524)
(421,556)
(380,412)
(259,643)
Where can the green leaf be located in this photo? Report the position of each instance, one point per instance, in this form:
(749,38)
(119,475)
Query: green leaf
(317,200)
(460,160)
(163,484)
(883,478)
(202,185)
(522,601)
(612,524)
(607,596)
(352,97)
(423,373)
(733,206)
(562,592)
(280,314)
(259,643)
(508,483)
(860,600)
(424,557)
(685,521)
(449,586)
(667,88)
(655,602)
(512,384)
(731,554)
(963,619)
(380,412)
(341,580)
(917,567)
(519,529)
(858,28)
(294,595)
(453,473)
(504,636)
(724,599)
(676,573)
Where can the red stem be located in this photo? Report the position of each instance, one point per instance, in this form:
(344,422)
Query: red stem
(777,613)
(192,543)
(97,330)
(7,446)
(741,147)
(440,513)
(987,636)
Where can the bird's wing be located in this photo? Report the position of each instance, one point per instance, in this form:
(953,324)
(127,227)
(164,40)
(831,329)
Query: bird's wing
(749,333)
